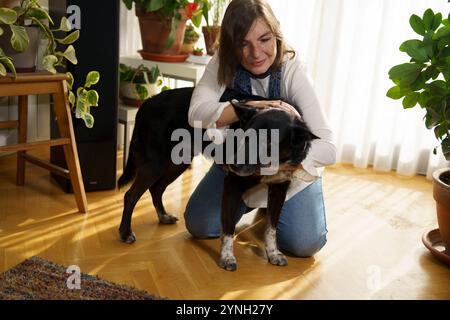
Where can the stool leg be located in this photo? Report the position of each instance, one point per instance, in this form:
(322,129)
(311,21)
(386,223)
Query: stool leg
(64,120)
(23,123)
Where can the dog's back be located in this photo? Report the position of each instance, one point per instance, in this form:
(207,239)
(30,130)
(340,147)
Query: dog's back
(156,119)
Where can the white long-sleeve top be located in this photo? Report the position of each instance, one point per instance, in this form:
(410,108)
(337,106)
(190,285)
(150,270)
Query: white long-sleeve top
(297,90)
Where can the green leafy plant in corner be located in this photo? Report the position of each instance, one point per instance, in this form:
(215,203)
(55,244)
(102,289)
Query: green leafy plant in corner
(141,76)
(58,50)
(425,79)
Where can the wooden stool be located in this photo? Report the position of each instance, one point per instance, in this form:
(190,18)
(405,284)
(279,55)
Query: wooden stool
(44,83)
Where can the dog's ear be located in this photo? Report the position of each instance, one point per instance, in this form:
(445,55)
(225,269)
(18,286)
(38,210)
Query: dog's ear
(301,133)
(243,112)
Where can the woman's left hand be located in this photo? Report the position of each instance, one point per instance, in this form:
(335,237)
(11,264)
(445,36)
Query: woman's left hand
(275,104)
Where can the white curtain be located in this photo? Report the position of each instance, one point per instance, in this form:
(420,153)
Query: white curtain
(349,47)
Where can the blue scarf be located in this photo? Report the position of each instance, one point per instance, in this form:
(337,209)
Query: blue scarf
(242,82)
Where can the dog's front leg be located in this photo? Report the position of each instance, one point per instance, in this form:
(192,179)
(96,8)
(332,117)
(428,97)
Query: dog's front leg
(277,195)
(231,201)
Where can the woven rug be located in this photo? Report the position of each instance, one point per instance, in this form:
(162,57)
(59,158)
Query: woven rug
(39,279)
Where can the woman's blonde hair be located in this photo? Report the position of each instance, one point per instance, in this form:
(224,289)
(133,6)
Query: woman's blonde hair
(237,21)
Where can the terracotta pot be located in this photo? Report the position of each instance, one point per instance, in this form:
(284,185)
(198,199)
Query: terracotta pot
(155,30)
(211,35)
(23,61)
(441,193)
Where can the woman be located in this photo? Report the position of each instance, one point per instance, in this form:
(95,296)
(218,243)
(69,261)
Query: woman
(253,58)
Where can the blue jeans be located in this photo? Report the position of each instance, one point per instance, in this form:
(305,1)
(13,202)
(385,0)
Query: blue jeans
(301,229)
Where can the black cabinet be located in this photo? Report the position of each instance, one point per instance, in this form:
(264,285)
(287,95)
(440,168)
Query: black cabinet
(96,49)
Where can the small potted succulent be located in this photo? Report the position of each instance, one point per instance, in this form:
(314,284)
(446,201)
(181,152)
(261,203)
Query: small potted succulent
(139,84)
(198,52)
(191,37)
(425,81)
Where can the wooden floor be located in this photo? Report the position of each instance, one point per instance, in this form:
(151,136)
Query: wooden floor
(374,248)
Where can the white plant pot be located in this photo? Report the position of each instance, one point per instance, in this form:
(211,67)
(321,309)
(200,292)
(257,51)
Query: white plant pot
(128,90)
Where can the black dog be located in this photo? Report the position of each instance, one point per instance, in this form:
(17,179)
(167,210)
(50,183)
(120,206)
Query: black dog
(151,166)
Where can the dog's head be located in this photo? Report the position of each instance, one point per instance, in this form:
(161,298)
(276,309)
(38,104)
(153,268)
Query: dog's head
(273,139)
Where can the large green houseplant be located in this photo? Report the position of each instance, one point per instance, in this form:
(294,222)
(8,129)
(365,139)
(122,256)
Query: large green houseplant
(15,22)
(425,80)
(165,20)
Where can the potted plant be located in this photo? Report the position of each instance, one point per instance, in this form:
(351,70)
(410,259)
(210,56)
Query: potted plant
(211,32)
(425,80)
(162,25)
(197,52)
(139,84)
(191,37)
(22,22)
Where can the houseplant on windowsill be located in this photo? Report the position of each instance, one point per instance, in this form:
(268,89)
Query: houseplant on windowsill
(211,32)
(191,37)
(139,84)
(22,22)
(162,24)
(425,80)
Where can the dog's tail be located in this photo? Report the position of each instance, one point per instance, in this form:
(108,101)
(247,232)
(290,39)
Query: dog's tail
(130,169)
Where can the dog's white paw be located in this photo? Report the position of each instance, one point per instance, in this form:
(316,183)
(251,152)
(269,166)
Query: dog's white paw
(278,259)
(228,263)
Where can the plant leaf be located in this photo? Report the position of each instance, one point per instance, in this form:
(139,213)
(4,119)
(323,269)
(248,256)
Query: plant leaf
(49,62)
(438,88)
(69,54)
(173,32)
(437,21)
(7,16)
(8,63)
(2,70)
(128,4)
(395,93)
(410,100)
(88,120)
(69,80)
(40,14)
(415,49)
(445,144)
(417,24)
(19,38)
(72,100)
(65,25)
(92,78)
(406,73)
(155,5)
(423,98)
(71,38)
(442,33)
(428,18)
(142,92)
(92,98)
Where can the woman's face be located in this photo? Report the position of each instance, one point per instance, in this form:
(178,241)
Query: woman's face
(259,48)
